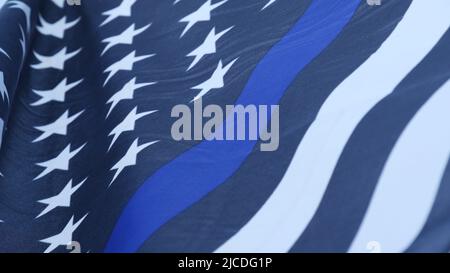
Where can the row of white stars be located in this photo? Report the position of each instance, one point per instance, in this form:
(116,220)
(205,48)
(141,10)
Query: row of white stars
(124,9)
(58,127)
(61,162)
(128,124)
(207,47)
(203,14)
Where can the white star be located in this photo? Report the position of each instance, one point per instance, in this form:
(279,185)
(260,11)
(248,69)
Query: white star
(207,47)
(64,237)
(56,61)
(128,124)
(129,159)
(202,14)
(14,4)
(61,162)
(59,3)
(123,10)
(58,127)
(61,200)
(22,43)
(3,90)
(56,94)
(56,29)
(268,4)
(126,93)
(125,38)
(125,64)
(4,53)
(216,80)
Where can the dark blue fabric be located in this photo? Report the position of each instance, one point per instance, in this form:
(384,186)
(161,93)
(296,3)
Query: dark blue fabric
(366,152)
(169,191)
(225,210)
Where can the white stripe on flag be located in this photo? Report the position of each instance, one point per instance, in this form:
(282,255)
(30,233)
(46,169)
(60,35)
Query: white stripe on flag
(284,216)
(410,180)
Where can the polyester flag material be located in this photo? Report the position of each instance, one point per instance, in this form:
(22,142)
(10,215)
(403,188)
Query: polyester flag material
(89,161)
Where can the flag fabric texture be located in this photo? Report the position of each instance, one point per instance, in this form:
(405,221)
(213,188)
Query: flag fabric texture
(88,162)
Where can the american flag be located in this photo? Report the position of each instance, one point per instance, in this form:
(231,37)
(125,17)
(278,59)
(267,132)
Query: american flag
(88,162)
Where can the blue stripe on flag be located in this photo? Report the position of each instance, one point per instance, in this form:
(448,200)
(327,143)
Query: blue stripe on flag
(184,181)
